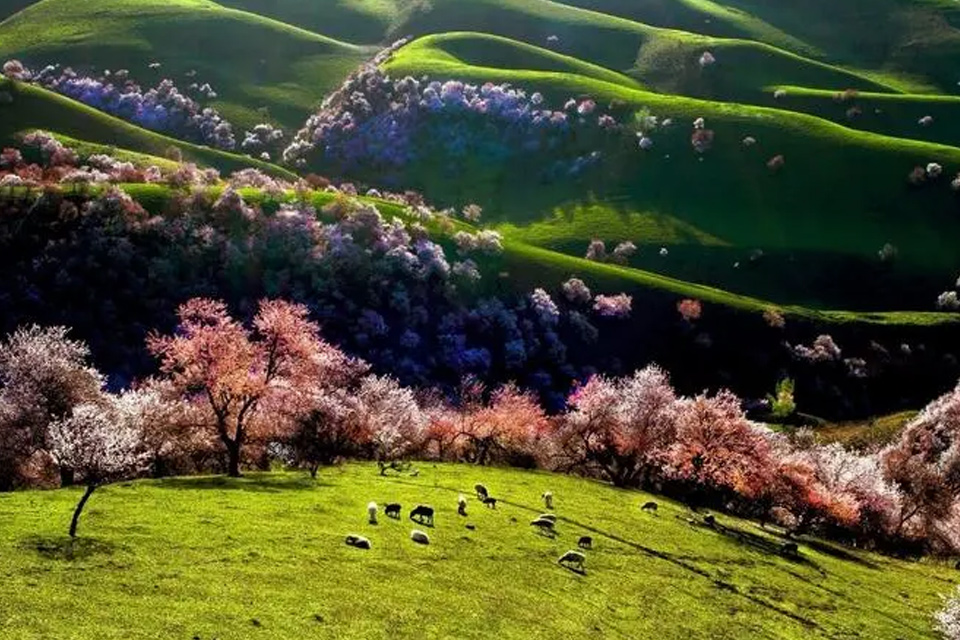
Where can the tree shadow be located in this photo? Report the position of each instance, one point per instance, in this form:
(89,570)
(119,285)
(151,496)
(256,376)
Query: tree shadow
(838,552)
(253,483)
(67,548)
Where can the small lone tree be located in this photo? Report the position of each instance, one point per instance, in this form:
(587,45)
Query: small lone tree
(99,447)
(235,371)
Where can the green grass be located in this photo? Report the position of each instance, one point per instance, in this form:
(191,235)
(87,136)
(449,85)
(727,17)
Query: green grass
(889,114)
(866,434)
(663,58)
(359,21)
(35,108)
(263,557)
(259,67)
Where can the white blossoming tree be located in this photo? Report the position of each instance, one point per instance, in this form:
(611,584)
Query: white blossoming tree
(99,446)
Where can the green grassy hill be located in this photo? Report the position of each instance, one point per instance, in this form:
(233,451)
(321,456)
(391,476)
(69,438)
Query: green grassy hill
(254,63)
(842,193)
(264,557)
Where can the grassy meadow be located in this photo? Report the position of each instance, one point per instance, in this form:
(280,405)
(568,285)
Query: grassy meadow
(264,557)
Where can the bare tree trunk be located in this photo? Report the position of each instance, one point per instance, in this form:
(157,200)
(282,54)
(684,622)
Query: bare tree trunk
(80,505)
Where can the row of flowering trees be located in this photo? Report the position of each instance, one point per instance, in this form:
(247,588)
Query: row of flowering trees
(229,394)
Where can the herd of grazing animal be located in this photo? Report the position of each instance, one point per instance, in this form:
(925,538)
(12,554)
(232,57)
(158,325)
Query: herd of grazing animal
(545,524)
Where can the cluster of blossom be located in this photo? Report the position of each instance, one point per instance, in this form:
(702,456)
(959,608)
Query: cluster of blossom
(823,349)
(618,306)
(163,108)
(947,619)
(375,121)
(597,251)
(576,291)
(487,241)
(948,301)
(263,139)
(690,309)
(255,179)
(57,163)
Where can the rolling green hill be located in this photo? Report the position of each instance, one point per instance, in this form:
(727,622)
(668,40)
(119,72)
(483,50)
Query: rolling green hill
(842,192)
(264,557)
(254,63)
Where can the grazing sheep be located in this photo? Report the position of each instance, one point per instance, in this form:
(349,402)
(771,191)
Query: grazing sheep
(547,516)
(749,141)
(925,121)
(372,512)
(481,491)
(776,163)
(420,537)
(392,510)
(490,502)
(545,526)
(789,549)
(358,541)
(585,542)
(649,506)
(574,558)
(934,170)
(779,94)
(422,514)
(461,505)
(548,499)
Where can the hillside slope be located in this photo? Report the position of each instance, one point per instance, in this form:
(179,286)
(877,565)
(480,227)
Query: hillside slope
(841,192)
(254,63)
(36,108)
(264,556)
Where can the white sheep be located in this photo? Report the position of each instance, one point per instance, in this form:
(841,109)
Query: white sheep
(372,512)
(749,141)
(699,123)
(547,516)
(779,94)
(573,558)
(925,121)
(420,537)
(548,499)
(934,170)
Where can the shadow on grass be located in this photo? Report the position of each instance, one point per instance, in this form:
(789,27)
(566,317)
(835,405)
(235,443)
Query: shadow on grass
(254,482)
(681,563)
(838,552)
(66,548)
